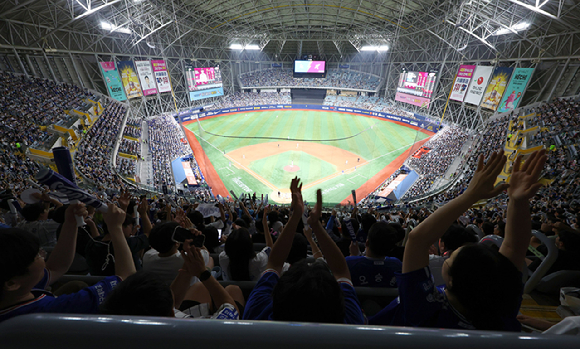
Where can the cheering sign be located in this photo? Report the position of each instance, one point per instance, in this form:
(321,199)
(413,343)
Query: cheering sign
(350,228)
(57,182)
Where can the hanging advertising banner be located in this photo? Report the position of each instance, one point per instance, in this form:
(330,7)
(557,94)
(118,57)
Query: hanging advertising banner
(478,84)
(146,77)
(114,85)
(130,79)
(515,90)
(464,75)
(161,75)
(496,87)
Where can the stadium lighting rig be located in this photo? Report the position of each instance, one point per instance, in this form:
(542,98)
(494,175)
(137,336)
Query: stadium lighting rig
(513,29)
(114,28)
(380,48)
(251,47)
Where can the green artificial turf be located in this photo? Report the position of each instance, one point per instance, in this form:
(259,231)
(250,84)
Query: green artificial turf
(379,145)
(311,168)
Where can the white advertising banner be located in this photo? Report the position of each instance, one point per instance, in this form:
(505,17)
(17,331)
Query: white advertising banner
(146,77)
(478,84)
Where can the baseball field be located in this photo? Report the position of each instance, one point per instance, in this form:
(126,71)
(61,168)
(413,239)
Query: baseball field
(262,151)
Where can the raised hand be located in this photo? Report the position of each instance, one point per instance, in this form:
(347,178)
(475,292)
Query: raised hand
(524,179)
(482,183)
(316,212)
(297,205)
(143,208)
(193,261)
(124,200)
(75,210)
(114,217)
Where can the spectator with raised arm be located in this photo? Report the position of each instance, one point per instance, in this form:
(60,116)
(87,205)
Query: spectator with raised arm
(310,293)
(483,286)
(24,275)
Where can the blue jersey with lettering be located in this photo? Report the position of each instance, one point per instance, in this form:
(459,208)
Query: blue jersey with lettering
(86,301)
(371,272)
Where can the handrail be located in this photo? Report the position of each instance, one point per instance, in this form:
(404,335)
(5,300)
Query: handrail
(108,331)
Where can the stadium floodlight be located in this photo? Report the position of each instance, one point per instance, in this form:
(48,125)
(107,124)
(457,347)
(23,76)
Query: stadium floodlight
(514,28)
(114,28)
(236,47)
(252,47)
(380,48)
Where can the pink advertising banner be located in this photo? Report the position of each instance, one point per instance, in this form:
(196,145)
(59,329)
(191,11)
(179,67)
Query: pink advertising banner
(462,80)
(414,100)
(161,75)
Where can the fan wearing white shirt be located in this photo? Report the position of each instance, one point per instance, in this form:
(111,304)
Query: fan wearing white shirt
(164,259)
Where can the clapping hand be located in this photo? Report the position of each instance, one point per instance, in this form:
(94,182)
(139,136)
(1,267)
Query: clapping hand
(316,212)
(524,180)
(482,183)
(124,200)
(297,205)
(193,261)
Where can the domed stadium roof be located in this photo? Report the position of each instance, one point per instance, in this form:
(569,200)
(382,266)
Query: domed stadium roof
(279,27)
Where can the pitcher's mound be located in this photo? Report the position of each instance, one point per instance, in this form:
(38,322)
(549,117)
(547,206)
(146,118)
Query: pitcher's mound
(291,168)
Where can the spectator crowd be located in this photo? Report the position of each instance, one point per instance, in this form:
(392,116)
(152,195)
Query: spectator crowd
(165,144)
(164,256)
(279,77)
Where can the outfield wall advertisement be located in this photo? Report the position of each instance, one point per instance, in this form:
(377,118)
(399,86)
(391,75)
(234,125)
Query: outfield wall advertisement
(426,125)
(146,76)
(496,87)
(161,75)
(114,85)
(478,85)
(515,90)
(464,75)
(130,79)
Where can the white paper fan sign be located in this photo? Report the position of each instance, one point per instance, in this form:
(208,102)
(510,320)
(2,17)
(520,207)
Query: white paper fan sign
(28,196)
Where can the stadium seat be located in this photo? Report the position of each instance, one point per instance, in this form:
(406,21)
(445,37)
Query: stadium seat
(546,264)
(551,284)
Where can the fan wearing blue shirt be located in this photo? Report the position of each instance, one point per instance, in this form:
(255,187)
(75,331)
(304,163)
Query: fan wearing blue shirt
(375,269)
(305,293)
(483,286)
(24,275)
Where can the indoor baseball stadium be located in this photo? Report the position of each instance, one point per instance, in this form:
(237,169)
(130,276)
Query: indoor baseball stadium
(266,173)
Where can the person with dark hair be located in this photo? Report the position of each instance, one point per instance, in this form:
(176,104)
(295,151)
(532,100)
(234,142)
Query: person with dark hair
(99,251)
(24,275)
(568,244)
(239,261)
(487,228)
(366,222)
(164,258)
(306,293)
(299,250)
(143,294)
(38,223)
(375,269)
(499,229)
(483,286)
